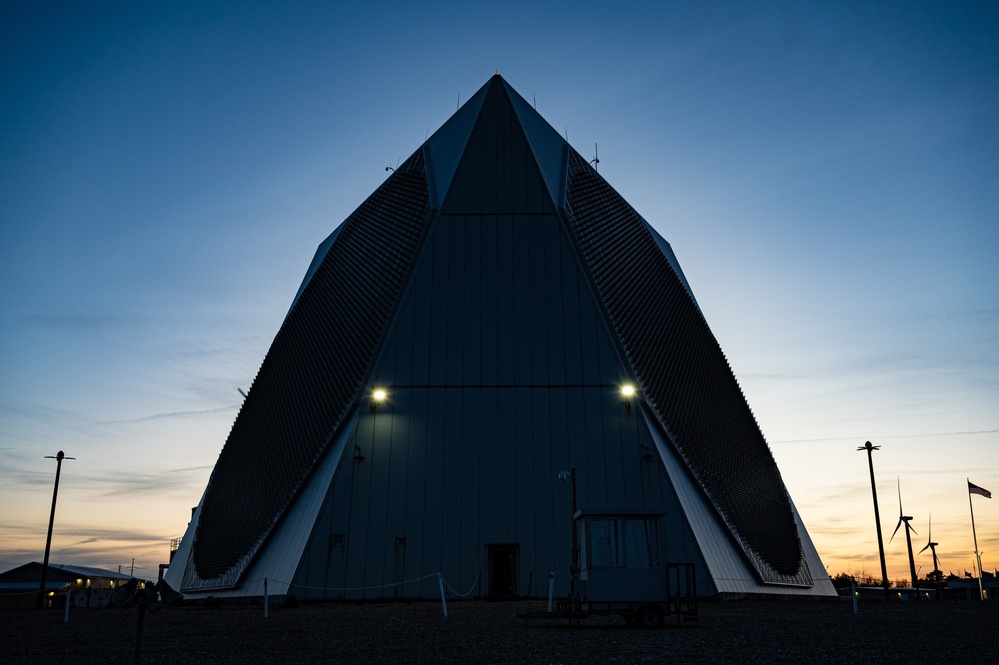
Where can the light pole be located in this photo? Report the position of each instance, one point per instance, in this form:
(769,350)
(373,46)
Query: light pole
(877,517)
(570,475)
(60,456)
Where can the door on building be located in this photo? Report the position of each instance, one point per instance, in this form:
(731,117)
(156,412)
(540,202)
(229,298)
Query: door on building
(503,560)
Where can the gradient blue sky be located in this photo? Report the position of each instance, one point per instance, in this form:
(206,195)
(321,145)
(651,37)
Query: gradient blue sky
(825,172)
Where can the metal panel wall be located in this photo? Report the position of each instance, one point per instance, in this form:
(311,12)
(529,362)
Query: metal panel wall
(500,372)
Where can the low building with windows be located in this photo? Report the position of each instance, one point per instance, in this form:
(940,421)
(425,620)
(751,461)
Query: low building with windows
(88,587)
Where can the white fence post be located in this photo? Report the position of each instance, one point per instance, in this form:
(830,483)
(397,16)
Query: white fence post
(440,583)
(65,614)
(265,598)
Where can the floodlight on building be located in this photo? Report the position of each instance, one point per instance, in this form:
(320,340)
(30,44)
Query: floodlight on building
(627,391)
(379,395)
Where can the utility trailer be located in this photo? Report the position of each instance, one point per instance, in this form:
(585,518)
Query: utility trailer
(618,569)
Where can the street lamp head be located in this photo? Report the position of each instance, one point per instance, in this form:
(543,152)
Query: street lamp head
(59,456)
(868,447)
(563,475)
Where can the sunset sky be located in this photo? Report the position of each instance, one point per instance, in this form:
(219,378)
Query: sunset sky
(825,172)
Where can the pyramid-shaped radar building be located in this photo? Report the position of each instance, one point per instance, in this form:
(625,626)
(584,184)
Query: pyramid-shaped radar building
(459,341)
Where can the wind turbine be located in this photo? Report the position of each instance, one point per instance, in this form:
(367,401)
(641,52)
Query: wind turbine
(932,546)
(908,539)
(936,564)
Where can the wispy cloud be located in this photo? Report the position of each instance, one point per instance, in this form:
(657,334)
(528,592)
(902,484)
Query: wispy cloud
(170,414)
(117,483)
(891,436)
(77,322)
(133,483)
(102,548)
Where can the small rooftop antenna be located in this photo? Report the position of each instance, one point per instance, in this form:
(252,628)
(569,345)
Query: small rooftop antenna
(535,102)
(567,134)
(596,158)
(241,392)
(458,106)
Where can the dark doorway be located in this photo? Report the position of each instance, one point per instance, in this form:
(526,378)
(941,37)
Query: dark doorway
(503,564)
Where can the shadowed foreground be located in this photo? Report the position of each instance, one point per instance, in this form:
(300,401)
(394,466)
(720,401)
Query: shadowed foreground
(481,632)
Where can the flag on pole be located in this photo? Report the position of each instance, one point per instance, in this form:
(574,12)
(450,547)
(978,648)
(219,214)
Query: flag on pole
(975,489)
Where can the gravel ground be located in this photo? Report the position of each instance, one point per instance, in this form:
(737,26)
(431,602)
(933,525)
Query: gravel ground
(482,632)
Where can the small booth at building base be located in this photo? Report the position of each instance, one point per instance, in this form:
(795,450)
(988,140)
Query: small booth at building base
(620,570)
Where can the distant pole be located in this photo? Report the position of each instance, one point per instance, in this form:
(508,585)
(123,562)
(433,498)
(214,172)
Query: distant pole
(877,517)
(978,560)
(575,531)
(60,456)
(440,584)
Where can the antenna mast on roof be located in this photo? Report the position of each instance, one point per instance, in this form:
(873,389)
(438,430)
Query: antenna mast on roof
(596,158)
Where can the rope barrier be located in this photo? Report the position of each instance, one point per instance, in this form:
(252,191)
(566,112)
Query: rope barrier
(345,588)
(454,592)
(35,592)
(467,593)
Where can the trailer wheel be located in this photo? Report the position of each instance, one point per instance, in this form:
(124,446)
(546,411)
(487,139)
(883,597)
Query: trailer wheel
(649,616)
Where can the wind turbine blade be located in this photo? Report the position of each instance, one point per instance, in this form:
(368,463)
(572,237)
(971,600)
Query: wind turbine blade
(894,532)
(924,549)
